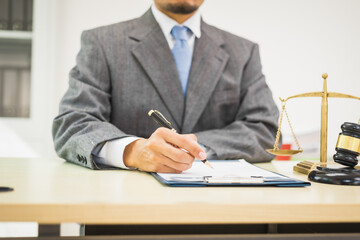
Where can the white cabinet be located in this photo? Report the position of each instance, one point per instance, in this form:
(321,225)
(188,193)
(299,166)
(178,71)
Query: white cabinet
(16,24)
(30,135)
(15,72)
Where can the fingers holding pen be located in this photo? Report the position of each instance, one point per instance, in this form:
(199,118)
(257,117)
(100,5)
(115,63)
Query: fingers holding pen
(163,151)
(186,142)
(179,158)
(143,154)
(155,162)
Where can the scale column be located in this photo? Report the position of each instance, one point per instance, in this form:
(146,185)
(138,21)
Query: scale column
(324,123)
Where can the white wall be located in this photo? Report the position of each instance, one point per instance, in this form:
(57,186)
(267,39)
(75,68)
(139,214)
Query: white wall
(299,41)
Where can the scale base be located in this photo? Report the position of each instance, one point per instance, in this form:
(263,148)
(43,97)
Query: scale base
(305,167)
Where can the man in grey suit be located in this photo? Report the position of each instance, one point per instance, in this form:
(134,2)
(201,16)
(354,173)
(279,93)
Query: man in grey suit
(207,82)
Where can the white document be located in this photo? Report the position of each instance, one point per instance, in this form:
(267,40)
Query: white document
(222,169)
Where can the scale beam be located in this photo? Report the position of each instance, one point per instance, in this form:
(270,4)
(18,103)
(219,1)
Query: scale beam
(341,95)
(320,94)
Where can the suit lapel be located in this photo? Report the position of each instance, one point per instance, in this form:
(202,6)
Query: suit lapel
(155,57)
(209,60)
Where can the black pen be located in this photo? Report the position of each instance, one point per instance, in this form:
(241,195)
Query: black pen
(6,189)
(163,122)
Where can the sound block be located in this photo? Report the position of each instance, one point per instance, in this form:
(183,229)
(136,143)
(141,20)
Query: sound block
(338,176)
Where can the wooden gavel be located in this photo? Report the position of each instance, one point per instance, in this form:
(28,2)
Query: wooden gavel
(348,145)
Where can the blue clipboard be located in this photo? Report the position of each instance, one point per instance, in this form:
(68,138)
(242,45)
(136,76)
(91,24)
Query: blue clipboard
(207,178)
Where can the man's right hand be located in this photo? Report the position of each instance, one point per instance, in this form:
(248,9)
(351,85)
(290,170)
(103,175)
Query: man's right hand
(163,152)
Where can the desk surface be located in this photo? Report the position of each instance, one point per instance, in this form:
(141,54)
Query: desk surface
(52,191)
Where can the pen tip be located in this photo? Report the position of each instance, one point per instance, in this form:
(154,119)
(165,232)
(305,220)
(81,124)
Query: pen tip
(208,164)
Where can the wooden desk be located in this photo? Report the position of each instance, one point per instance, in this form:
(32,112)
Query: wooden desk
(50,191)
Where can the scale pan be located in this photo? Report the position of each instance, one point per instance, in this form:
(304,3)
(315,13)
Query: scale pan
(283,152)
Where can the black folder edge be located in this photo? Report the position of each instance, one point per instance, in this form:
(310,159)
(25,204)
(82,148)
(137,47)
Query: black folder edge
(291,183)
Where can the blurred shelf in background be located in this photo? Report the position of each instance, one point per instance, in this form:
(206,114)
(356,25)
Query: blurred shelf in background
(15,57)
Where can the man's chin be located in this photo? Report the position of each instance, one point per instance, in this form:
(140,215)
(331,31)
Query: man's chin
(181,8)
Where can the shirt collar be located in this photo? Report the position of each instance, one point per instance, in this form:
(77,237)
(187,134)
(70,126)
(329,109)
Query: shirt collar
(166,23)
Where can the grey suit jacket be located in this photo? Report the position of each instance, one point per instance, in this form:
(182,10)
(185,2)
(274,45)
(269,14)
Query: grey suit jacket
(126,69)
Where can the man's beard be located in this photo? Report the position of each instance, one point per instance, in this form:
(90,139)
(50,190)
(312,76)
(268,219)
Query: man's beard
(180,8)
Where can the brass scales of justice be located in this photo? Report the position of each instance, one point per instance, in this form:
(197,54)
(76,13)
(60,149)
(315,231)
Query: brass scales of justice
(306,167)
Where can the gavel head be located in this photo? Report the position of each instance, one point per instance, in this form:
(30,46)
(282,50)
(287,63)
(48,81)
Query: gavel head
(348,145)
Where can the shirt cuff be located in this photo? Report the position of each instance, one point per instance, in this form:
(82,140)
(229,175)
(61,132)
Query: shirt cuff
(111,154)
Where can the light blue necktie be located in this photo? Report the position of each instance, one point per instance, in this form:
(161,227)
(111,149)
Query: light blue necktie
(182,54)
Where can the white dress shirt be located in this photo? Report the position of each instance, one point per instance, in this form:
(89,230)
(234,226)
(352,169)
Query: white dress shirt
(111,153)
(166,24)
